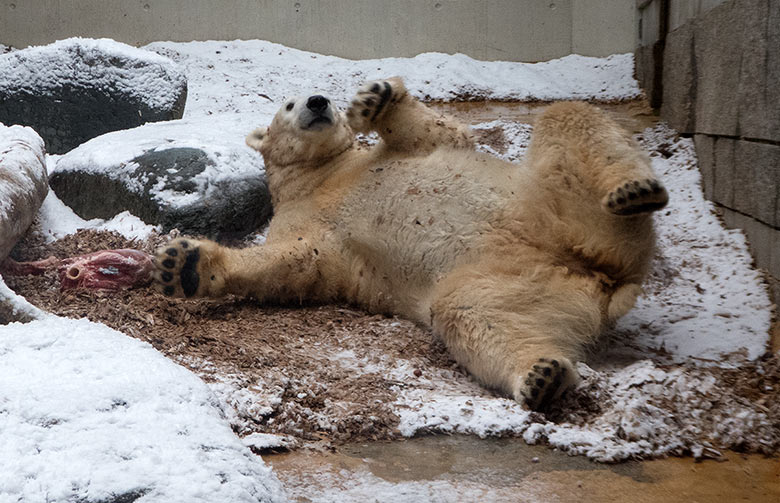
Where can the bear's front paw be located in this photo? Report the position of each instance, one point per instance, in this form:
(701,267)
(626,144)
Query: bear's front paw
(546,382)
(372,101)
(181,269)
(635,197)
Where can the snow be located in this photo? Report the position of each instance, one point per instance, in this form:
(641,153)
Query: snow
(263,441)
(141,74)
(57,221)
(704,298)
(15,307)
(255,77)
(88,413)
(361,485)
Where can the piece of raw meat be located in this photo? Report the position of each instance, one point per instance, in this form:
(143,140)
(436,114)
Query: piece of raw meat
(103,270)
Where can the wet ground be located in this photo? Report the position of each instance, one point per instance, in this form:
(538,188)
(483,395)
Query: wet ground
(464,468)
(460,468)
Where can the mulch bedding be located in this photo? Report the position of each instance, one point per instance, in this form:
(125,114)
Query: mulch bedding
(279,346)
(291,350)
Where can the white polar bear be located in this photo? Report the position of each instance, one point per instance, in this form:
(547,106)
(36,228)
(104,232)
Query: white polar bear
(516,267)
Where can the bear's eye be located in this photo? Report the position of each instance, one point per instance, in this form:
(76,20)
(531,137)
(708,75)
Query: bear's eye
(290,106)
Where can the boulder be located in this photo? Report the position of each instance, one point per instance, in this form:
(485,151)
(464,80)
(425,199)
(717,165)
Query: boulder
(198,177)
(77,89)
(23,185)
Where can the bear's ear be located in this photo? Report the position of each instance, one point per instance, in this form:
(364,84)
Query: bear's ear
(256,138)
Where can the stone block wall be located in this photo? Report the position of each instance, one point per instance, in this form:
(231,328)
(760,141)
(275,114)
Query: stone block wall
(716,78)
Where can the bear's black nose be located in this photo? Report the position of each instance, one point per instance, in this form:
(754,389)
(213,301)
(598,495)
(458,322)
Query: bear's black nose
(317,103)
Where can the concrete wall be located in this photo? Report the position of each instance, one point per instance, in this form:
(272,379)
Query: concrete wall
(514,30)
(717,79)
(601,28)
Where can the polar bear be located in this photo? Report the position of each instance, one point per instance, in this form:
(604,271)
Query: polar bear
(517,268)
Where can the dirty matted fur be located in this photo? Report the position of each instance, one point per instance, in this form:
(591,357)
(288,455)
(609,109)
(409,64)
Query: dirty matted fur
(516,267)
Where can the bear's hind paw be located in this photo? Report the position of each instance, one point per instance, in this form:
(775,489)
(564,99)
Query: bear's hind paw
(635,197)
(546,382)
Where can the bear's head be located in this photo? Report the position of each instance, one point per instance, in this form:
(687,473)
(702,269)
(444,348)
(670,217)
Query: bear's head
(304,131)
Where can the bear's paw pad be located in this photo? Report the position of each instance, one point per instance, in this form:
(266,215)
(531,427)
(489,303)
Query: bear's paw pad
(371,101)
(176,265)
(637,196)
(546,382)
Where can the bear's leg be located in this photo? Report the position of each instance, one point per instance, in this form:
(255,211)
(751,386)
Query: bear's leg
(403,122)
(600,153)
(519,334)
(201,268)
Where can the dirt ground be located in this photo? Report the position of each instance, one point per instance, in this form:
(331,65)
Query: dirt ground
(256,343)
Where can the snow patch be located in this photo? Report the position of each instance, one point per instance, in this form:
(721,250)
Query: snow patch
(90,414)
(56,221)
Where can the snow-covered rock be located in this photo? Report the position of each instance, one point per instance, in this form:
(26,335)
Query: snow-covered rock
(91,415)
(77,89)
(23,184)
(194,175)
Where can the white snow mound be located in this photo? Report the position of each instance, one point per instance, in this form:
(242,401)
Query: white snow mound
(90,414)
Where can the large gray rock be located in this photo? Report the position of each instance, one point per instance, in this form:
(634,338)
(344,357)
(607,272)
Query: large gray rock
(77,89)
(194,176)
(23,185)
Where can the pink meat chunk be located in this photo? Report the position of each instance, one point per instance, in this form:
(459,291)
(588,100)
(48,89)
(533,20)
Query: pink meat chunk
(106,270)
(103,270)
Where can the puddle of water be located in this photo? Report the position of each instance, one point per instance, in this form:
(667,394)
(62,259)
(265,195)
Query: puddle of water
(458,467)
(491,461)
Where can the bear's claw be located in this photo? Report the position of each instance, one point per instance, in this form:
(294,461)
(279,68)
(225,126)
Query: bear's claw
(546,382)
(177,269)
(635,197)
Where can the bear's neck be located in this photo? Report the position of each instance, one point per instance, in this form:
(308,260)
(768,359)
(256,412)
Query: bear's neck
(289,183)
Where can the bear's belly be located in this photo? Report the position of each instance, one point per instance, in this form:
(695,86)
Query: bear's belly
(410,221)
